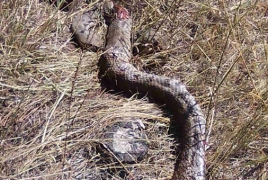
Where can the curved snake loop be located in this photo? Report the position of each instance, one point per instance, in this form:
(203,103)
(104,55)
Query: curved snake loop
(188,117)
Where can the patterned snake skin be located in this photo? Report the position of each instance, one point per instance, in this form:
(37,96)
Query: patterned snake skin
(188,118)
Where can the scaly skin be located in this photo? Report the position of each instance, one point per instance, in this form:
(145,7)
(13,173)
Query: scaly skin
(116,69)
(190,122)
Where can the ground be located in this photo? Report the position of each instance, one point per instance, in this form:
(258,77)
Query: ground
(53,109)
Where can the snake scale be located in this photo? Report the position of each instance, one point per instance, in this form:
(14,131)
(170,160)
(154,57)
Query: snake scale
(116,69)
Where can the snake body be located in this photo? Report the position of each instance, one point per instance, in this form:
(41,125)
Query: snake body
(116,69)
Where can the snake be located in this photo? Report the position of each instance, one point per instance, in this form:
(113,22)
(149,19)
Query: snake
(116,70)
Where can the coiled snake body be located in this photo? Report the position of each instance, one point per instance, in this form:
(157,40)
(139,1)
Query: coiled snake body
(116,69)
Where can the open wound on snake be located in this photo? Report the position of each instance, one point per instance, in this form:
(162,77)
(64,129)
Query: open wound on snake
(121,12)
(116,69)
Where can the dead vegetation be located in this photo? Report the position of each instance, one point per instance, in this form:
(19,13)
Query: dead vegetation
(53,110)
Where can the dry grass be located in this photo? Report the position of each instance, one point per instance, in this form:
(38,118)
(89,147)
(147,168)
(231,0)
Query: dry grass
(53,110)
